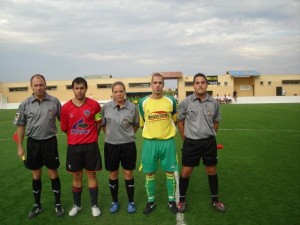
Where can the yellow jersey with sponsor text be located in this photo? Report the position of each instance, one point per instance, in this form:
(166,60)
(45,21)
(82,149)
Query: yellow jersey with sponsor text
(158,117)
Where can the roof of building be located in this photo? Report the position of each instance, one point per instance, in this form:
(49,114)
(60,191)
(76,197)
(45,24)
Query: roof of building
(243,73)
(171,75)
(97,76)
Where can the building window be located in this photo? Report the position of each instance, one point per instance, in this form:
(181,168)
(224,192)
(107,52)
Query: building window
(261,83)
(269,83)
(139,85)
(188,83)
(225,83)
(188,93)
(69,87)
(51,88)
(219,83)
(104,86)
(245,87)
(18,89)
(291,82)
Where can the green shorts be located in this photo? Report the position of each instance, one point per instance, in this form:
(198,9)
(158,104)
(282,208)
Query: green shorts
(153,150)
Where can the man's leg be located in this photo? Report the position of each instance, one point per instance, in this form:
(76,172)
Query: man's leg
(171,187)
(184,179)
(36,190)
(76,191)
(213,185)
(150,189)
(93,189)
(56,188)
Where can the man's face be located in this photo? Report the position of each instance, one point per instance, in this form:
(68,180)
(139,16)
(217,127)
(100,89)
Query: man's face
(38,86)
(157,84)
(200,85)
(79,91)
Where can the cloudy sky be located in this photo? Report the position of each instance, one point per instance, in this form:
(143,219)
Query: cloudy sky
(62,39)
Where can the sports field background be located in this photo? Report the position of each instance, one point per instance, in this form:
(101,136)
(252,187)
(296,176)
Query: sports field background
(259,177)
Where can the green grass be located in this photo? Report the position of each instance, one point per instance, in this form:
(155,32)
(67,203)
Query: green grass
(258,176)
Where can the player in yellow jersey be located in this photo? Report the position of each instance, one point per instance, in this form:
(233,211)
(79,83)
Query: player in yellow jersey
(158,118)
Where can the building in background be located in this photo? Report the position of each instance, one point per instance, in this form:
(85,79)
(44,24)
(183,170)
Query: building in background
(246,83)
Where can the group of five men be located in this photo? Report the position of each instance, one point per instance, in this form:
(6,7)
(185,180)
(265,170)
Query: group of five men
(82,119)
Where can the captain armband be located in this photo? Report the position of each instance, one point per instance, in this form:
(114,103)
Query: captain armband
(98,116)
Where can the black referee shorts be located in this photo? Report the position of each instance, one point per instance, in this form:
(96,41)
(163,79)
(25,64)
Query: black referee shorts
(122,153)
(194,150)
(42,152)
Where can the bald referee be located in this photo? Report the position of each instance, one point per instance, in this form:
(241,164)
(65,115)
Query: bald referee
(36,118)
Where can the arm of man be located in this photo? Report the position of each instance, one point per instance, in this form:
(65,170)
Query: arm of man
(181,128)
(104,128)
(135,128)
(174,118)
(58,110)
(98,118)
(141,115)
(21,134)
(216,126)
(98,126)
(141,122)
(136,123)
(63,120)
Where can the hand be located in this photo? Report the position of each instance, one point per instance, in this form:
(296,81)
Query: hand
(21,152)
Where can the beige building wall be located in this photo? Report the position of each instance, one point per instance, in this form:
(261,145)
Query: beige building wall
(264,85)
(225,86)
(64,94)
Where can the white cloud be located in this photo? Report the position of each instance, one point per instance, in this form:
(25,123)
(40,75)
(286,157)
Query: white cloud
(146,36)
(103,57)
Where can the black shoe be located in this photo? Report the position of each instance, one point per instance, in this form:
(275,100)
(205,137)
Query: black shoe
(150,206)
(59,210)
(173,207)
(35,211)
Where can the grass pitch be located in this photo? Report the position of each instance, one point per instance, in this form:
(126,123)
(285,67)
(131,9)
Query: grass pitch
(258,177)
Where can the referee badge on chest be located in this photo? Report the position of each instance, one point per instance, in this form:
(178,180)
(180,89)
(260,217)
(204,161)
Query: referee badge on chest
(208,112)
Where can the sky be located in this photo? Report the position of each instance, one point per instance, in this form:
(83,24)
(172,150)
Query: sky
(63,39)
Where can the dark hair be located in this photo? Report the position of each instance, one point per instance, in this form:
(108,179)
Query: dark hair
(157,75)
(118,83)
(199,75)
(37,75)
(79,80)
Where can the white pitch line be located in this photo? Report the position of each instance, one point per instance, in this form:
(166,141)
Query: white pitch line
(5,139)
(260,130)
(179,216)
(10,139)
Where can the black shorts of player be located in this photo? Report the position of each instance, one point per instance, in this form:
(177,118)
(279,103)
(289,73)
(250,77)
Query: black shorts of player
(42,152)
(194,150)
(83,156)
(122,153)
